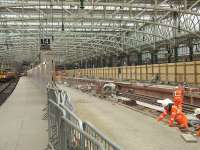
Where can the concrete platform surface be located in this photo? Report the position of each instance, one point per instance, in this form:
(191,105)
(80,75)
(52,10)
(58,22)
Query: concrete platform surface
(130,129)
(21,124)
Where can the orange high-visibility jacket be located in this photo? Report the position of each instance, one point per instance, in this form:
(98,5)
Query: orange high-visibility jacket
(198,131)
(178,101)
(175,115)
(179,98)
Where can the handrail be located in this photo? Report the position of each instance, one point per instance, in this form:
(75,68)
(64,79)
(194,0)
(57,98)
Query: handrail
(74,138)
(105,141)
(72,117)
(66,131)
(52,94)
(54,119)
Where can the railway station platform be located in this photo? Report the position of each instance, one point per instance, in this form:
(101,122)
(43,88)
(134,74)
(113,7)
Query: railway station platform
(129,129)
(21,124)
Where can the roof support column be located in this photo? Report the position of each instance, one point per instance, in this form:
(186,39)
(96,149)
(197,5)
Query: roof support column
(110,61)
(154,58)
(139,58)
(191,52)
(169,54)
(98,62)
(128,59)
(175,54)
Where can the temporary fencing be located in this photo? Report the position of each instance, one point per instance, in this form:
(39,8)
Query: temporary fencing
(74,138)
(97,134)
(66,131)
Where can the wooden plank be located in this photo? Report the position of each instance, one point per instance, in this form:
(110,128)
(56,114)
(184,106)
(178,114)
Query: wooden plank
(143,73)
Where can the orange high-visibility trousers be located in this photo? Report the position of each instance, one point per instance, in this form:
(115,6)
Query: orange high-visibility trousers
(182,120)
(175,115)
(178,116)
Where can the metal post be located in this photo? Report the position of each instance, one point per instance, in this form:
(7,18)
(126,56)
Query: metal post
(175,54)
(152,57)
(139,58)
(169,55)
(191,52)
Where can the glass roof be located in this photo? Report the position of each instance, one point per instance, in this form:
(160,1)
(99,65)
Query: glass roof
(103,26)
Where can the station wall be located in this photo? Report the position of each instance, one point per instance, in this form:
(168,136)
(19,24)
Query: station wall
(188,72)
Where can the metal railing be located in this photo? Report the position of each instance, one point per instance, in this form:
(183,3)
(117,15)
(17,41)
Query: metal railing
(74,138)
(66,131)
(54,118)
(73,118)
(65,100)
(59,97)
(52,94)
(97,134)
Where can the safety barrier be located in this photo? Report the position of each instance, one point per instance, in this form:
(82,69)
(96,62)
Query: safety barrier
(73,138)
(65,100)
(63,134)
(73,118)
(66,131)
(60,97)
(52,94)
(94,132)
(54,118)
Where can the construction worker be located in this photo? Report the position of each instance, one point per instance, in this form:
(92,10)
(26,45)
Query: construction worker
(175,115)
(109,89)
(194,122)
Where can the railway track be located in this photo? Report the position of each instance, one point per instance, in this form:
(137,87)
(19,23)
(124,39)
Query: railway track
(6,89)
(152,100)
(187,108)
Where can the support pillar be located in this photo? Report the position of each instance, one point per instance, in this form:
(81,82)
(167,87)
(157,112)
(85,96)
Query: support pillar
(175,54)
(139,58)
(169,56)
(110,61)
(154,58)
(191,52)
(120,61)
(128,60)
(99,62)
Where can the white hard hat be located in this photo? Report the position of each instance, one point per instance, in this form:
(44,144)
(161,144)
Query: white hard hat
(112,85)
(197,111)
(165,102)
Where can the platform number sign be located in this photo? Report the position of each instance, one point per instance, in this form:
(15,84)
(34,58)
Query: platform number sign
(45,44)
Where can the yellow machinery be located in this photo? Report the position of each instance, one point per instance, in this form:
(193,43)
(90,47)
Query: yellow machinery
(7,75)
(2,76)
